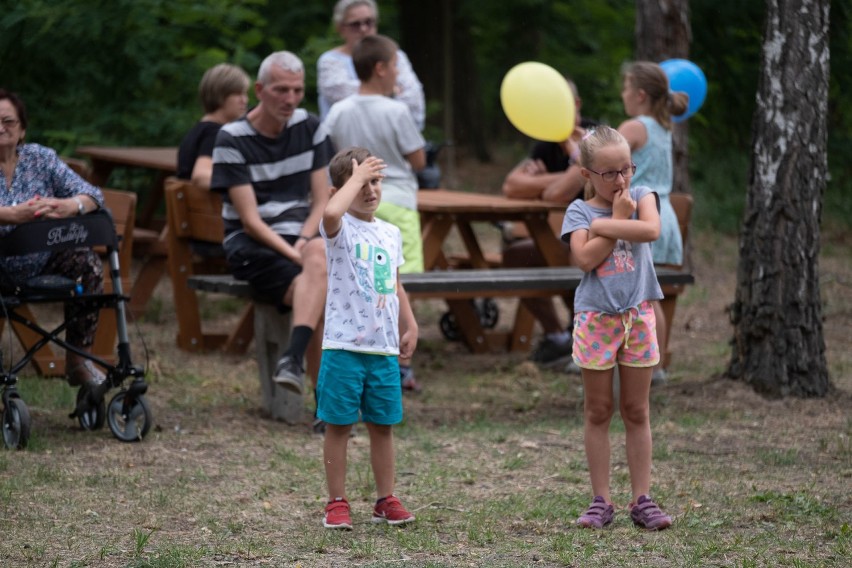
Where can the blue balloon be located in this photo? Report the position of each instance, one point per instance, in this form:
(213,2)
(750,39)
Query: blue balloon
(687,77)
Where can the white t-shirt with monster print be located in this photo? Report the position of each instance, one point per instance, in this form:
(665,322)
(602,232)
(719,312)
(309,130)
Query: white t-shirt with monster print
(361,306)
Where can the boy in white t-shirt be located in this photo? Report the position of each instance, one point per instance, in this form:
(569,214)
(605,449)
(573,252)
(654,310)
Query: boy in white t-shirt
(372,119)
(368,325)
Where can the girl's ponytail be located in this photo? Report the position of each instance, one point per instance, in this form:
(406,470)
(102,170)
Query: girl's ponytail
(651,78)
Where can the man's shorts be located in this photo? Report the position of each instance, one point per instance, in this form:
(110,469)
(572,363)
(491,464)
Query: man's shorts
(408,221)
(630,338)
(352,384)
(269,273)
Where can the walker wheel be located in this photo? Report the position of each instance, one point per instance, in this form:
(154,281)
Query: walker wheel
(129,417)
(449,327)
(489,312)
(16,424)
(90,416)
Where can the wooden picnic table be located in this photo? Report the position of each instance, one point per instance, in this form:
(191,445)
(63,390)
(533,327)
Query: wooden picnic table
(441,210)
(162,159)
(149,239)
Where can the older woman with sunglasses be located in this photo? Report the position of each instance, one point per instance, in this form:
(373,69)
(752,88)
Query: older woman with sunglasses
(36,184)
(336,78)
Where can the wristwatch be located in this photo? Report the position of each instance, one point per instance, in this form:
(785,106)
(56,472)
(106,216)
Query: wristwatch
(80,209)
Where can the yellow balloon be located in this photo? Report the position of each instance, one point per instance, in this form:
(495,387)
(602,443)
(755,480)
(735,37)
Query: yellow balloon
(538,101)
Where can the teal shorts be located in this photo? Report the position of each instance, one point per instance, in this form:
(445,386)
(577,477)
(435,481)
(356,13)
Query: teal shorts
(353,384)
(408,221)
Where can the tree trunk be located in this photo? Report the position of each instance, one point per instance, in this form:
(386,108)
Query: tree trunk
(663,32)
(422,24)
(778,345)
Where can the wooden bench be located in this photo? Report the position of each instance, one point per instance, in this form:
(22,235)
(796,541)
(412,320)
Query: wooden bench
(458,287)
(194,217)
(272,336)
(195,226)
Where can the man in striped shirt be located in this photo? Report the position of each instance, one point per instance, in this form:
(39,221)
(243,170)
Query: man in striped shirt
(270,166)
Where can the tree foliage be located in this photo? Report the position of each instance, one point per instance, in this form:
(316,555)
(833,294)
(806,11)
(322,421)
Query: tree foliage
(126,71)
(119,71)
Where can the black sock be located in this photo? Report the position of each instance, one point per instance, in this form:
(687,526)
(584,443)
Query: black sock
(299,339)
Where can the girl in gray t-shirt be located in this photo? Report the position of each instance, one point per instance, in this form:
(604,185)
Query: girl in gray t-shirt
(610,235)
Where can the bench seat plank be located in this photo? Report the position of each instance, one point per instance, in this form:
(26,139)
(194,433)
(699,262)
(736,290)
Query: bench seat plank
(458,287)
(521,282)
(465,283)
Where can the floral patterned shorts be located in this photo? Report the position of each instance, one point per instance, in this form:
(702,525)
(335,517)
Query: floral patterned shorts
(629,338)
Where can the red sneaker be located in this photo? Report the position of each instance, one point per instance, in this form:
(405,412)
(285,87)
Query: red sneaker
(391,511)
(337,515)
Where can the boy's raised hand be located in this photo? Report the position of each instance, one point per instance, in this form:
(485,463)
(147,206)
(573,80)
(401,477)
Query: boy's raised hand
(367,170)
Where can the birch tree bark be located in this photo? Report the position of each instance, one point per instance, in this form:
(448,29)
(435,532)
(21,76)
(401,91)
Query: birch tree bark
(778,345)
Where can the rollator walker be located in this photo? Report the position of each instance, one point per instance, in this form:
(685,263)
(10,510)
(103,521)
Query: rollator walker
(127,413)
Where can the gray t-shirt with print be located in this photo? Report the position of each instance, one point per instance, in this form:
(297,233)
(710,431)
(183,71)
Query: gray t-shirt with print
(626,278)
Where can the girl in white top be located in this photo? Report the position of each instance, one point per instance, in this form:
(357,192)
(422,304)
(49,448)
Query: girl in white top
(648,101)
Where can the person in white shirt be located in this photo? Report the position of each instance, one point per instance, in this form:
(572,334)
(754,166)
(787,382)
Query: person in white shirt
(336,77)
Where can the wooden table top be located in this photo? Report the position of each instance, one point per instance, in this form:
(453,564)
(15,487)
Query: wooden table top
(448,201)
(162,158)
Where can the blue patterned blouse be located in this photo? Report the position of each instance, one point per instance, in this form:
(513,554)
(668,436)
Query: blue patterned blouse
(40,172)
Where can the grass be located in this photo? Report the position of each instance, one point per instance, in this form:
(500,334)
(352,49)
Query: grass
(490,458)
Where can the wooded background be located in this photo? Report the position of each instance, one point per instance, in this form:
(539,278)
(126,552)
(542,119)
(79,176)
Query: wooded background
(125,72)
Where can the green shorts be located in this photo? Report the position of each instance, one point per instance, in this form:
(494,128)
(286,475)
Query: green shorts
(408,222)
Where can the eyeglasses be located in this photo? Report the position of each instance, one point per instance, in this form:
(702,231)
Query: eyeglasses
(368,23)
(626,173)
(9,122)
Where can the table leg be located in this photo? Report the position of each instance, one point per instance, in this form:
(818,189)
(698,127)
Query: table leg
(434,229)
(471,243)
(149,276)
(101,172)
(546,242)
(146,217)
(522,330)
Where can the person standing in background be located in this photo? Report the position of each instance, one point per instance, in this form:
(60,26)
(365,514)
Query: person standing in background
(647,99)
(336,77)
(372,119)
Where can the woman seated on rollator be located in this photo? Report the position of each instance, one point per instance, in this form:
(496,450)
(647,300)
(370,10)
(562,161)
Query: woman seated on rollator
(37,184)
